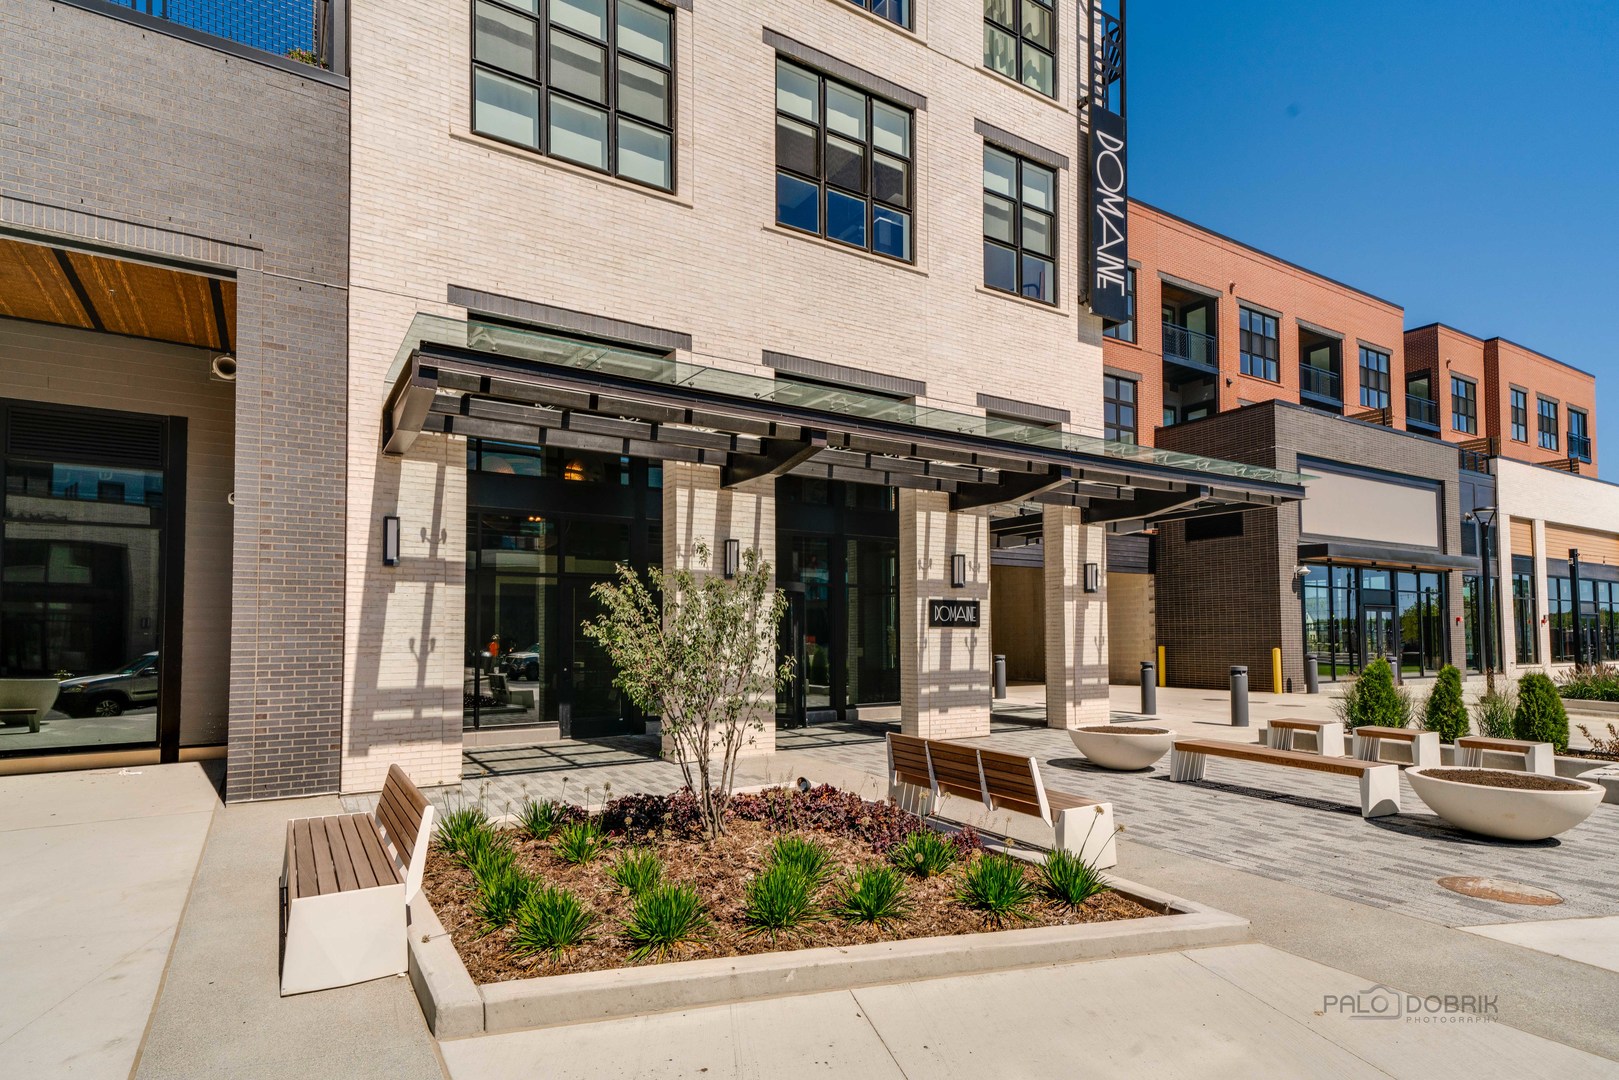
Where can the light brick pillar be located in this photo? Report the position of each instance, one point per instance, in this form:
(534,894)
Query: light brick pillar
(945,674)
(1543,598)
(1076,621)
(697,510)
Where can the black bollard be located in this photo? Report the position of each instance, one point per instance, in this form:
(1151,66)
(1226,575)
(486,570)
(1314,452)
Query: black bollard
(1149,688)
(1239,696)
(1312,674)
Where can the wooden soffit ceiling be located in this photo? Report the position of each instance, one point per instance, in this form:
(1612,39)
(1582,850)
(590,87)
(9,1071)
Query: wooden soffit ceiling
(97,292)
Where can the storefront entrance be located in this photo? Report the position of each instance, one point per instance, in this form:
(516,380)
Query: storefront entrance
(1354,615)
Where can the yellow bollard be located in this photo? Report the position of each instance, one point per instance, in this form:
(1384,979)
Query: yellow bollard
(1163,676)
(1276,669)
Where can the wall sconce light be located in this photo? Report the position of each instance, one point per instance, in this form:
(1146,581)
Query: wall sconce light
(958,571)
(1093,577)
(733,558)
(390,540)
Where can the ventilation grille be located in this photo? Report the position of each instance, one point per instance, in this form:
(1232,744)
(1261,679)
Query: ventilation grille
(84,438)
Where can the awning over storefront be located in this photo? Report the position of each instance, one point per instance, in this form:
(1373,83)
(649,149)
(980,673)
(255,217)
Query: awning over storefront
(493,381)
(1357,553)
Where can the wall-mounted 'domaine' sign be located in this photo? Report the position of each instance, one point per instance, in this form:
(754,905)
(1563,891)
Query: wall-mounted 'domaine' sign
(1110,189)
(951,613)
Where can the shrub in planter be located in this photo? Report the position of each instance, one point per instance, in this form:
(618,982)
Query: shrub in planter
(542,819)
(802,855)
(1445,712)
(635,817)
(1068,879)
(924,854)
(779,900)
(1493,713)
(996,886)
(663,920)
(1540,716)
(637,871)
(486,852)
(1373,700)
(458,823)
(1591,682)
(873,896)
(828,809)
(501,895)
(580,843)
(551,921)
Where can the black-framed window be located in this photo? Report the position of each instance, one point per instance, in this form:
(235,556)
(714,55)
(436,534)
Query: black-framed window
(844,163)
(1525,633)
(587,81)
(1463,405)
(1560,616)
(1374,378)
(1119,409)
(1547,417)
(1520,415)
(1258,345)
(1020,42)
(1020,226)
(1126,330)
(1579,435)
(895,11)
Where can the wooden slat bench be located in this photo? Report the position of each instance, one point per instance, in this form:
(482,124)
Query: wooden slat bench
(345,881)
(922,771)
(1422,746)
(1379,782)
(1537,757)
(1329,734)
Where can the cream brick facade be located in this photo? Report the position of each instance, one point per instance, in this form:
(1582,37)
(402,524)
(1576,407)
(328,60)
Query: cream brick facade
(944,672)
(1076,621)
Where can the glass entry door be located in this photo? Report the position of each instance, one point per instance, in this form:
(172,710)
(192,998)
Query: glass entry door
(1382,635)
(591,704)
(790,701)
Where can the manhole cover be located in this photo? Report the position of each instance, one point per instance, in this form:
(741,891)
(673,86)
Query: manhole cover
(1505,892)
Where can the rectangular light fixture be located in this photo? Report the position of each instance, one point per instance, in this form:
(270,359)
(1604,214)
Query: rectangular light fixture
(733,558)
(958,571)
(390,540)
(1093,577)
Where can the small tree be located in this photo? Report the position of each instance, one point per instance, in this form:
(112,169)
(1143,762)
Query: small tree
(699,654)
(1373,700)
(1541,716)
(1445,712)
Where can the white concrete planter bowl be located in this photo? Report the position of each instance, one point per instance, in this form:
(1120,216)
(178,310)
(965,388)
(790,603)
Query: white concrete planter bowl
(1123,747)
(1505,804)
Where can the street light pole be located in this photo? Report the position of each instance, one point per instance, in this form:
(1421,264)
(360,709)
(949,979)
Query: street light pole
(1483,517)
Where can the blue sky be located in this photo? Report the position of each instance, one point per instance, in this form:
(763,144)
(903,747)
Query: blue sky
(1461,159)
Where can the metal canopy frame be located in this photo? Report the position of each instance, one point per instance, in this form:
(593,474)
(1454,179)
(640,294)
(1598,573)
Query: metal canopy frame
(617,401)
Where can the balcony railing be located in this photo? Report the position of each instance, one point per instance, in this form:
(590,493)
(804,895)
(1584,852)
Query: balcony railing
(297,29)
(1190,347)
(1320,382)
(1579,448)
(1421,410)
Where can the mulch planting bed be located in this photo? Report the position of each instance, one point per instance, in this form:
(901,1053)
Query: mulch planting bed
(1112,730)
(719,872)
(1500,778)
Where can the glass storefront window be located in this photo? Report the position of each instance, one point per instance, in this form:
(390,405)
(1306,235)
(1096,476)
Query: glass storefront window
(1352,616)
(1525,638)
(1560,616)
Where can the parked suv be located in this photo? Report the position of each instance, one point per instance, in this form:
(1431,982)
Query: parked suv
(112,694)
(522,665)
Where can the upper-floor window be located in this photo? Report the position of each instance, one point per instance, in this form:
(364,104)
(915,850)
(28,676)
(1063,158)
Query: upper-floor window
(1020,42)
(1547,410)
(1374,378)
(1126,330)
(1020,226)
(895,11)
(589,81)
(1258,345)
(1520,415)
(1463,405)
(843,163)
(1579,436)
(1119,409)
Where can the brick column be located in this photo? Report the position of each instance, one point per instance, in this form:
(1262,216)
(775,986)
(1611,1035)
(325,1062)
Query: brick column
(697,510)
(945,674)
(1076,621)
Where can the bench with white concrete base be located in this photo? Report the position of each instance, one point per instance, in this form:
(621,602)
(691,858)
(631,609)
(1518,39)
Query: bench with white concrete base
(1537,757)
(1379,782)
(345,881)
(1422,745)
(1329,734)
(922,771)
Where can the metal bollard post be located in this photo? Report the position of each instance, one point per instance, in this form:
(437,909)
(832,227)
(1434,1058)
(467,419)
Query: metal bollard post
(1312,674)
(1239,696)
(1149,688)
(1000,676)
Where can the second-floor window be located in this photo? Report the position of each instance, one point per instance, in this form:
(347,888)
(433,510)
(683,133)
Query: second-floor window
(588,81)
(1258,345)
(1374,378)
(1463,405)
(1547,410)
(843,163)
(1579,437)
(1119,409)
(1020,42)
(1020,226)
(1126,330)
(1520,415)
(895,11)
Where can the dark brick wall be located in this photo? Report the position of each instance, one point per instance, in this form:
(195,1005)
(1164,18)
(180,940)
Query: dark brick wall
(1231,600)
(142,143)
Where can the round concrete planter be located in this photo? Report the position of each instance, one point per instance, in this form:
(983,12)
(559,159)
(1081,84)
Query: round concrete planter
(1507,813)
(1122,750)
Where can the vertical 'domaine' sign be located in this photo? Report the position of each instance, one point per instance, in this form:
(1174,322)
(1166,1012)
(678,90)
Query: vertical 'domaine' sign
(1110,191)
